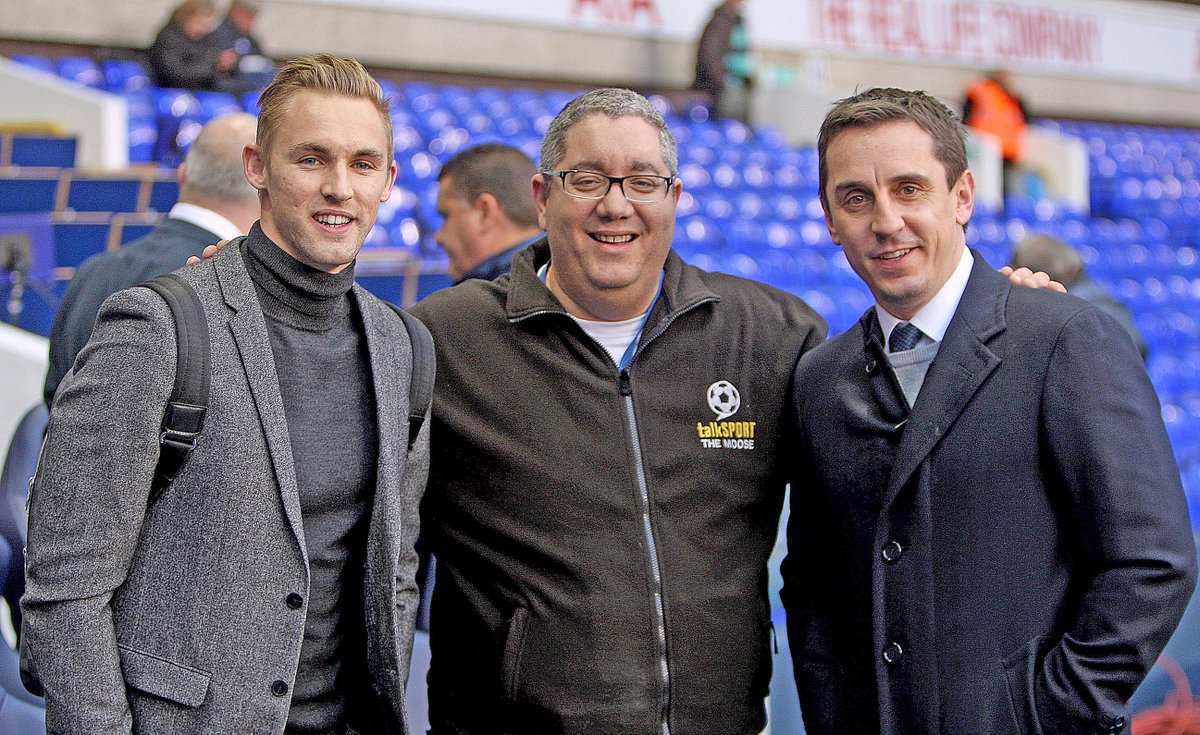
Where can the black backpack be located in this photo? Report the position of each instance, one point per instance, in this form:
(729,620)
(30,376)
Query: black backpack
(183,421)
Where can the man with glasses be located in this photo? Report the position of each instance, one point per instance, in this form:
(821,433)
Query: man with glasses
(605,485)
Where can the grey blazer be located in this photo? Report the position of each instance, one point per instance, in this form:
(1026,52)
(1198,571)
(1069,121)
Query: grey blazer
(175,617)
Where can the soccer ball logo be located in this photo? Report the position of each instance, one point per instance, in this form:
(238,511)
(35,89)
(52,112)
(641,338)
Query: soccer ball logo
(724,399)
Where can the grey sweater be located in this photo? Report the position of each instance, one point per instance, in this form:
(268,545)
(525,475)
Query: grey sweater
(321,359)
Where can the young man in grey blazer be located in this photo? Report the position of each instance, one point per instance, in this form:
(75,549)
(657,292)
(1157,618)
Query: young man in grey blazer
(270,588)
(988,532)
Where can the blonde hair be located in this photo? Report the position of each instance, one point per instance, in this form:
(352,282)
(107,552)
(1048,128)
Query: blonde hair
(318,73)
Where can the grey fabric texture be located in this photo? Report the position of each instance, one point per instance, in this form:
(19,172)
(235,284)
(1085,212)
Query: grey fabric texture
(315,335)
(910,367)
(174,617)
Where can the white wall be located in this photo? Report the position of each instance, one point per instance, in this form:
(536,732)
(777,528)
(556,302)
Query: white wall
(23,361)
(97,119)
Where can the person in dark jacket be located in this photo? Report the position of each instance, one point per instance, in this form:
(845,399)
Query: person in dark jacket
(1065,265)
(252,69)
(216,202)
(724,68)
(988,532)
(183,55)
(487,212)
(606,478)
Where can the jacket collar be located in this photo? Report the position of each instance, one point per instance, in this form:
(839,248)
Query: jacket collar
(682,288)
(963,363)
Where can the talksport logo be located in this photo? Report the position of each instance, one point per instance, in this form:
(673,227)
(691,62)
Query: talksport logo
(725,401)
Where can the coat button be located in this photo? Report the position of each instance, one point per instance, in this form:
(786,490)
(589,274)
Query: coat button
(892,652)
(279,688)
(891,552)
(870,366)
(295,601)
(1117,726)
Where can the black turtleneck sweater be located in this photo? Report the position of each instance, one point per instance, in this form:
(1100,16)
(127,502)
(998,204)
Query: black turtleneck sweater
(324,375)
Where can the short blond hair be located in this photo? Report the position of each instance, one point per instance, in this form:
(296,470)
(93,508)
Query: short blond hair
(319,73)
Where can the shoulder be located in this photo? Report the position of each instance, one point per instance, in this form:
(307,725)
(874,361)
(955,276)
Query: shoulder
(463,306)
(754,301)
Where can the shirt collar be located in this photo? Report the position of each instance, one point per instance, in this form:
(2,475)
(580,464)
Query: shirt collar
(205,219)
(934,317)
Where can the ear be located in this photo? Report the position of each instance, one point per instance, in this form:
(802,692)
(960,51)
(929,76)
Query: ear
(391,179)
(964,197)
(833,233)
(487,206)
(181,175)
(255,166)
(541,190)
(676,190)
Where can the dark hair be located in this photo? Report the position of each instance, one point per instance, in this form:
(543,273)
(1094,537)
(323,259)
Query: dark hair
(879,105)
(497,169)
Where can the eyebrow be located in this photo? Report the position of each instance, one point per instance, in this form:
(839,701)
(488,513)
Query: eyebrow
(637,167)
(369,153)
(850,185)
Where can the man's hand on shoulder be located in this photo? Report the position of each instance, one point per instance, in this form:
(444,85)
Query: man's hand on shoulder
(208,252)
(1020,277)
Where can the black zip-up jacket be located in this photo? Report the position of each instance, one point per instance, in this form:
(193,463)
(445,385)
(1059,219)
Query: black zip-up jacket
(602,535)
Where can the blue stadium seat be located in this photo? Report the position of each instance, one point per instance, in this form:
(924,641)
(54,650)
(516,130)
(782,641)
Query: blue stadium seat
(163,194)
(34,61)
(25,193)
(27,149)
(123,75)
(81,70)
(75,242)
(104,192)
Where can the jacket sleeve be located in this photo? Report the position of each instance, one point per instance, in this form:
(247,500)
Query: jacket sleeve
(86,510)
(1125,506)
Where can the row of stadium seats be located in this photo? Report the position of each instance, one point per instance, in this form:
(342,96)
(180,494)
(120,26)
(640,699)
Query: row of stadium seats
(750,204)
(70,190)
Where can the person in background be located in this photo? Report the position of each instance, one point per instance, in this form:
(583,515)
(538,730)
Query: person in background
(488,215)
(992,106)
(253,69)
(1042,252)
(988,533)
(184,55)
(216,202)
(724,66)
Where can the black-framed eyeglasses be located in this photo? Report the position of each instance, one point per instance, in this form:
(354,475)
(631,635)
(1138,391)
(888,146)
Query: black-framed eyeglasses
(639,188)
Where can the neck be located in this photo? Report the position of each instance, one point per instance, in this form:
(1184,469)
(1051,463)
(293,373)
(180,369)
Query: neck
(615,305)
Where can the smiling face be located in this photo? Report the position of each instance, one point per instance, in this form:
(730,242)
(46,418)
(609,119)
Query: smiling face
(606,254)
(890,210)
(322,177)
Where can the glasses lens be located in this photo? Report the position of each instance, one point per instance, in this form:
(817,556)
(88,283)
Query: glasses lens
(591,185)
(586,184)
(644,188)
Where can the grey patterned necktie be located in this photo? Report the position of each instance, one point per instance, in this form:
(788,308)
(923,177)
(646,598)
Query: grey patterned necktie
(904,337)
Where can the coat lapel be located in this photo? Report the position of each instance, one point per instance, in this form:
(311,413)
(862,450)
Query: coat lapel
(963,363)
(249,330)
(390,356)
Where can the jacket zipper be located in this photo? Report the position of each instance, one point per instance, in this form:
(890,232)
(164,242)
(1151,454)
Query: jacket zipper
(626,389)
(660,623)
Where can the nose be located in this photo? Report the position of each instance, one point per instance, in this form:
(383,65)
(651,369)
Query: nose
(886,220)
(614,204)
(336,186)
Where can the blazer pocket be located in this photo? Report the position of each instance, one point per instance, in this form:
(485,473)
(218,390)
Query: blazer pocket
(514,646)
(1020,673)
(162,678)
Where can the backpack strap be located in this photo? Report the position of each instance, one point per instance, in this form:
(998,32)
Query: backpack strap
(424,368)
(184,418)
